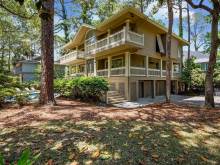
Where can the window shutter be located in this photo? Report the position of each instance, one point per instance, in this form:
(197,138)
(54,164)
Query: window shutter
(159,41)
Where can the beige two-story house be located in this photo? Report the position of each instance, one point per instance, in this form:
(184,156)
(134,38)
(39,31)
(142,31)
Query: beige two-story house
(128,49)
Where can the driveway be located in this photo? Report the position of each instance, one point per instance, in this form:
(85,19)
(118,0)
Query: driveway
(197,101)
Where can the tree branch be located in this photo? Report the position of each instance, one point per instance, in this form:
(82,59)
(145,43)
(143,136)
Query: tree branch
(14,13)
(200,5)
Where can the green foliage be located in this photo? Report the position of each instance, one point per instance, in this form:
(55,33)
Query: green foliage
(82,87)
(198,78)
(4,93)
(192,75)
(7,89)
(21,99)
(217,75)
(25,159)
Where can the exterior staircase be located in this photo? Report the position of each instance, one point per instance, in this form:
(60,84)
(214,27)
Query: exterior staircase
(114,97)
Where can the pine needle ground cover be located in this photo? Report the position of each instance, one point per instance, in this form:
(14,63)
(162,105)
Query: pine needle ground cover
(80,133)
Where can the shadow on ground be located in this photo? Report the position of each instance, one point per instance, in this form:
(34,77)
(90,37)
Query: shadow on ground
(83,134)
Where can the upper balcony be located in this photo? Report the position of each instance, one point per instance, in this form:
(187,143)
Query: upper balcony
(119,38)
(75,55)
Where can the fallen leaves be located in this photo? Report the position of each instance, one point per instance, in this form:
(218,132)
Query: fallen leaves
(83,149)
(105,155)
(71,156)
(95,154)
(204,159)
(155,157)
(50,162)
(74,163)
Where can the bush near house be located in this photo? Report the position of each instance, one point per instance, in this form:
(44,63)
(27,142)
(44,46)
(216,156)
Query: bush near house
(85,88)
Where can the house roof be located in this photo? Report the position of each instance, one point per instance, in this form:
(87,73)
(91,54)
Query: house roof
(200,57)
(84,28)
(77,39)
(136,12)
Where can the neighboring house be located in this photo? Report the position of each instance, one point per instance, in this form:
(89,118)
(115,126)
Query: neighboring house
(128,49)
(29,70)
(202,59)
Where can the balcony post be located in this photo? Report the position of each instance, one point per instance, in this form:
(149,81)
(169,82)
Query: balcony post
(128,24)
(127,27)
(109,33)
(85,71)
(109,66)
(77,68)
(171,68)
(146,65)
(127,64)
(95,67)
(161,68)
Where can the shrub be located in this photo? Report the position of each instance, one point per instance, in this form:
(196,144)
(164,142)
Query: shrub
(85,88)
(5,93)
(21,99)
(63,87)
(91,87)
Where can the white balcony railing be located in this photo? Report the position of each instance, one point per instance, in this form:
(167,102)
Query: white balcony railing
(114,40)
(102,73)
(118,71)
(164,73)
(137,71)
(72,56)
(154,72)
(176,74)
(135,38)
(77,74)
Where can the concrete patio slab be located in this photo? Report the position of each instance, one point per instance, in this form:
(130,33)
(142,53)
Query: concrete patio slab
(197,101)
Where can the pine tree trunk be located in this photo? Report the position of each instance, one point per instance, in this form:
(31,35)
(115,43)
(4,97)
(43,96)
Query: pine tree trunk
(209,90)
(2,57)
(9,56)
(189,29)
(64,17)
(141,6)
(181,29)
(168,54)
(47,51)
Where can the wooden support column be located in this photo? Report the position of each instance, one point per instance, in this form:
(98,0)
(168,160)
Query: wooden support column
(128,24)
(137,90)
(95,67)
(154,88)
(109,33)
(172,69)
(77,67)
(127,64)
(109,65)
(161,68)
(126,29)
(85,71)
(147,65)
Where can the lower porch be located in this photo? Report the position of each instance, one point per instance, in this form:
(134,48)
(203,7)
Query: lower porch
(128,89)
